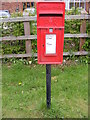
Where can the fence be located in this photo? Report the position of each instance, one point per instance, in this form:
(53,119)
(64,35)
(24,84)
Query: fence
(26,20)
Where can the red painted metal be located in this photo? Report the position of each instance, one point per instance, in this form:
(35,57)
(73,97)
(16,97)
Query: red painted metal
(50,15)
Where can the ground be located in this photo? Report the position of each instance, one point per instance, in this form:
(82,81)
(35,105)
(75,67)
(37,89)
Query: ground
(24,91)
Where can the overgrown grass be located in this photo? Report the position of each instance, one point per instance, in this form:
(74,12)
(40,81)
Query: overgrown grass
(24,91)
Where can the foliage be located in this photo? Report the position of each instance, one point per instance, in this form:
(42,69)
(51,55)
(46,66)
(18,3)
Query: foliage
(84,59)
(32,14)
(73,11)
(17,14)
(17,29)
(13,29)
(86,46)
(33,60)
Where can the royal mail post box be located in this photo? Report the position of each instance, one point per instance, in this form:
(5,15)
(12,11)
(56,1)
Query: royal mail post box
(50,32)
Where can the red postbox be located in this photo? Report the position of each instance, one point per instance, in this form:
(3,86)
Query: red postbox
(50,32)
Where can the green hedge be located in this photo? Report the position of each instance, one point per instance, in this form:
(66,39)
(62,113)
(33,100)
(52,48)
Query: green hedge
(17,29)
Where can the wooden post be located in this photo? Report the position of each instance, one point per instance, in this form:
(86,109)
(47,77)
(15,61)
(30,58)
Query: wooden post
(35,4)
(26,4)
(27,32)
(82,30)
(30,4)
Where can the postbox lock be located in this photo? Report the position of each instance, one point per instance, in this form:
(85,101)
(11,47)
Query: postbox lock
(50,29)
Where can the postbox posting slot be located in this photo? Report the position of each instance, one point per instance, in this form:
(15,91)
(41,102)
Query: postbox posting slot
(51,15)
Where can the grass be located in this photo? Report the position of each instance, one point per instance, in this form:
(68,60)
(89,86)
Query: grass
(24,91)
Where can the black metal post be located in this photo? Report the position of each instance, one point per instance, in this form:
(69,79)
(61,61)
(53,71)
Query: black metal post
(48,85)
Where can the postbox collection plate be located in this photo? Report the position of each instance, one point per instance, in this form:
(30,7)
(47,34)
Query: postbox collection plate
(50,32)
(50,44)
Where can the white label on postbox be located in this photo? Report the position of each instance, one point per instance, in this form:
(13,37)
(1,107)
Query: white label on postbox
(50,44)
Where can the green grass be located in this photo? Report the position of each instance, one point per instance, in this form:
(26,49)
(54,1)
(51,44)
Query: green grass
(24,91)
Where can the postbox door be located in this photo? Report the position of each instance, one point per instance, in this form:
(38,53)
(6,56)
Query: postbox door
(51,45)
